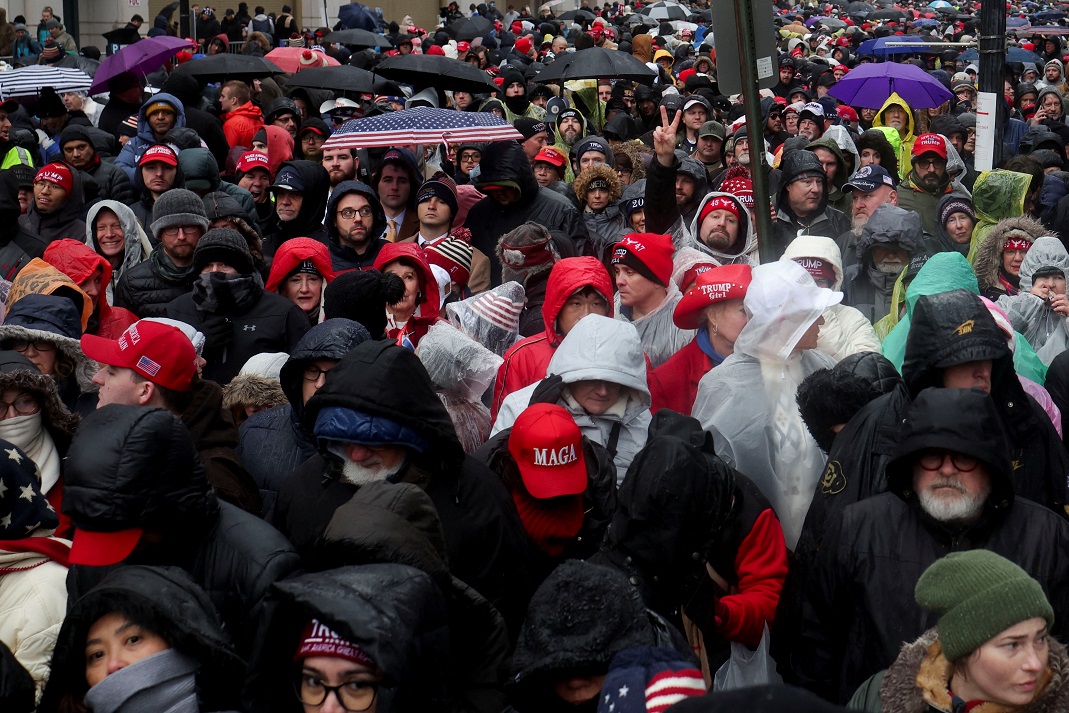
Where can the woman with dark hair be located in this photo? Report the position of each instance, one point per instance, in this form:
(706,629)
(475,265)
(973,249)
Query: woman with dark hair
(144,639)
(875,147)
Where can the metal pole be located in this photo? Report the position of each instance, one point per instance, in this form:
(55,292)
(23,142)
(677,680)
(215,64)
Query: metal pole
(183,19)
(992,49)
(754,129)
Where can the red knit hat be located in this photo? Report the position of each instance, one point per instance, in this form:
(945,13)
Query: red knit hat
(649,254)
(58,174)
(523,45)
(727,282)
(317,639)
(719,203)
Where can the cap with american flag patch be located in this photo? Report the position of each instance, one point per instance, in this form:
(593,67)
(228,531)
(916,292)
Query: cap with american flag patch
(158,352)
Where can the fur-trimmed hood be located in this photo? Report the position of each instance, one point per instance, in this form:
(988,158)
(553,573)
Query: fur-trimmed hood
(916,681)
(18,373)
(253,390)
(989,256)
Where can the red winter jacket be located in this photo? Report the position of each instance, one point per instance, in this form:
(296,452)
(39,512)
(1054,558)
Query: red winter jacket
(526,360)
(291,254)
(676,380)
(241,124)
(429,306)
(78,261)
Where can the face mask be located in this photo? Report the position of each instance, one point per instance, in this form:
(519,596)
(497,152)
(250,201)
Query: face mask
(890,266)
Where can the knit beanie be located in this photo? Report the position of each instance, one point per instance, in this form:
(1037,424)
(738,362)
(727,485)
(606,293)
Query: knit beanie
(978,594)
(58,174)
(956,205)
(530,127)
(51,52)
(443,188)
(362,296)
(648,254)
(226,246)
(177,206)
(454,256)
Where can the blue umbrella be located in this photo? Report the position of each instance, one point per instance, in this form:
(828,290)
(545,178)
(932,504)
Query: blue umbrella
(1013,54)
(1050,15)
(871,84)
(1016,22)
(356,16)
(878,46)
(926,22)
(939,3)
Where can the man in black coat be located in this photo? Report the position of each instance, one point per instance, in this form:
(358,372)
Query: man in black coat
(229,304)
(137,493)
(951,489)
(514,198)
(378,418)
(300,189)
(76,143)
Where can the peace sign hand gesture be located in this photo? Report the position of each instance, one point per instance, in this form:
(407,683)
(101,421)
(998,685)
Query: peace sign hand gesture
(664,138)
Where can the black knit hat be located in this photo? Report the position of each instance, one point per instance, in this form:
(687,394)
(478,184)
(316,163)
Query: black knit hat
(442,187)
(362,296)
(50,104)
(226,246)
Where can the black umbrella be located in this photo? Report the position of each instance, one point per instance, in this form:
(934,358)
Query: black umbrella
(468,28)
(859,7)
(358,38)
(889,14)
(577,15)
(230,66)
(122,36)
(337,79)
(428,70)
(636,19)
(707,15)
(596,63)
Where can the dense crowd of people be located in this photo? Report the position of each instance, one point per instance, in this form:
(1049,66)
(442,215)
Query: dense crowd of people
(541,424)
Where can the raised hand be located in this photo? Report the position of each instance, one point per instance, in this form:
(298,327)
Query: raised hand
(664,138)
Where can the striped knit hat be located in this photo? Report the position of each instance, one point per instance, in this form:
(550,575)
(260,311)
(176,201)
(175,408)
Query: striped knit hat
(454,256)
(647,679)
(51,52)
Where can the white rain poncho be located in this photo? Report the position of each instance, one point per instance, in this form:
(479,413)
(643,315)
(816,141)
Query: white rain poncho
(660,336)
(491,318)
(748,402)
(1031,315)
(461,369)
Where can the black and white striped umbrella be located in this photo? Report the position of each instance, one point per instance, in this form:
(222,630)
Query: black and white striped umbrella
(28,81)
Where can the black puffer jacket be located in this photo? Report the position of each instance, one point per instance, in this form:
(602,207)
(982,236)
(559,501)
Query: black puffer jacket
(343,257)
(504,163)
(146,289)
(15,242)
(273,442)
(485,540)
(397,522)
(393,612)
(309,220)
(170,604)
(859,606)
(138,467)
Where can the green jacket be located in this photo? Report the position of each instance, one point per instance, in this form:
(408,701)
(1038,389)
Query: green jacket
(996,195)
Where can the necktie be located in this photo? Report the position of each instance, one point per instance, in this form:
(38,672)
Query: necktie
(391,234)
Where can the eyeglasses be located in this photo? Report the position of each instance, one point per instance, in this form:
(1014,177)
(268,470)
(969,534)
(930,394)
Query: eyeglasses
(933,460)
(23,345)
(350,213)
(173,230)
(353,695)
(931,162)
(24,405)
(775,114)
(313,373)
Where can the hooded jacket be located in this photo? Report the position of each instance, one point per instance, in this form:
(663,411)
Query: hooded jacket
(64,221)
(1058,84)
(526,361)
(309,220)
(136,249)
(837,198)
(201,173)
(859,604)
(597,348)
(210,129)
(143,206)
(662,211)
(138,467)
(866,288)
(393,613)
(112,182)
(428,309)
(274,442)
(905,147)
(1032,315)
(16,244)
(131,152)
(485,540)
(344,257)
(504,163)
(845,330)
(79,262)
(825,220)
(168,603)
(240,124)
(997,195)
(744,250)
(988,263)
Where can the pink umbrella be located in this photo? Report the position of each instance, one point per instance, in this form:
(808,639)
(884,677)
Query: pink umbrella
(294,59)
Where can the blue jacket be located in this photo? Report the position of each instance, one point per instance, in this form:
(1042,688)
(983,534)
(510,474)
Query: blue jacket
(136,146)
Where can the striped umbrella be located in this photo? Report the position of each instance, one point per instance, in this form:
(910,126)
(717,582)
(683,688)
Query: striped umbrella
(28,81)
(422,125)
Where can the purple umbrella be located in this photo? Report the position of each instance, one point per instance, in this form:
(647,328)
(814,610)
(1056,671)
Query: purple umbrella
(870,84)
(140,58)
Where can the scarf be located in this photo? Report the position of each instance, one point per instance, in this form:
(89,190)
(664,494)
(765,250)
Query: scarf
(219,293)
(518,105)
(707,347)
(550,523)
(166,269)
(29,434)
(163,683)
(1009,282)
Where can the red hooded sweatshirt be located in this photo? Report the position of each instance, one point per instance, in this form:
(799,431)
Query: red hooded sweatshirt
(78,261)
(428,306)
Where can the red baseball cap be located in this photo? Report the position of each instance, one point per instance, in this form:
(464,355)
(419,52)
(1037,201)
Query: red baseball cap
(159,352)
(103,549)
(930,143)
(727,282)
(548,448)
(552,155)
(159,152)
(254,159)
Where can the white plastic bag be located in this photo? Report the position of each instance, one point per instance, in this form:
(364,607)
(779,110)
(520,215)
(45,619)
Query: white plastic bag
(747,668)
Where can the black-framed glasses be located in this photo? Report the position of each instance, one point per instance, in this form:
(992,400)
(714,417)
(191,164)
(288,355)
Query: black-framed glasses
(353,695)
(350,213)
(933,460)
(23,345)
(313,373)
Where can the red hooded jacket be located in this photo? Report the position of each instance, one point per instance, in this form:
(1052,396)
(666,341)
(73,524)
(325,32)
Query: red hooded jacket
(526,360)
(291,254)
(78,261)
(428,306)
(242,123)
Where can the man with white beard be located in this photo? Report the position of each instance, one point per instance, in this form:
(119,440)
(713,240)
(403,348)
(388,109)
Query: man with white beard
(890,237)
(950,489)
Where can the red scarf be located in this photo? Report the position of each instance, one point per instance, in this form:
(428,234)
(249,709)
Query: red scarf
(54,550)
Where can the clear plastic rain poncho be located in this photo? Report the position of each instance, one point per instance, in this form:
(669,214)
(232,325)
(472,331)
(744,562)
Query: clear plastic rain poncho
(748,402)
(461,370)
(1031,315)
(491,318)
